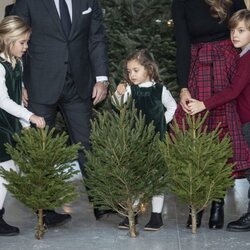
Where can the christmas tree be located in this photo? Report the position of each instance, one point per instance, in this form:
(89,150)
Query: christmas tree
(44,165)
(124,168)
(197,163)
(134,25)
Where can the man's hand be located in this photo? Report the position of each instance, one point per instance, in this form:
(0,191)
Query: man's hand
(99,93)
(185,96)
(25,98)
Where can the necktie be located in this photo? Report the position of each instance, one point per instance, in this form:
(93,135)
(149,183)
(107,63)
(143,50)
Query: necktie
(65,17)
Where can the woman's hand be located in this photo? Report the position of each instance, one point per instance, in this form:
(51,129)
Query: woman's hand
(185,96)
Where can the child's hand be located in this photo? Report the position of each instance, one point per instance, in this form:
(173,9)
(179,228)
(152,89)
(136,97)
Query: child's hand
(195,106)
(121,88)
(39,121)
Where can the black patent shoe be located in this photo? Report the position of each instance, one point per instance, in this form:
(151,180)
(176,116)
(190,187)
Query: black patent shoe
(155,222)
(198,219)
(100,213)
(240,225)
(53,219)
(216,220)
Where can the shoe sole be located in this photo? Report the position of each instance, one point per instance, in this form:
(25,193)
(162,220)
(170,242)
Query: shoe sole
(58,224)
(123,227)
(9,234)
(152,229)
(237,230)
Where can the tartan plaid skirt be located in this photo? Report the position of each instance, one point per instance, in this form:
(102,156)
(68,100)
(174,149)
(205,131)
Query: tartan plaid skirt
(212,67)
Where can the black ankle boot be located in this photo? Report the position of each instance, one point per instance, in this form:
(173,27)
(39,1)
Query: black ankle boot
(6,229)
(155,222)
(216,220)
(198,219)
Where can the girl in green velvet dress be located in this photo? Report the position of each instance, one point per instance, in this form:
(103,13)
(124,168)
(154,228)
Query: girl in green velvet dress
(155,102)
(14,36)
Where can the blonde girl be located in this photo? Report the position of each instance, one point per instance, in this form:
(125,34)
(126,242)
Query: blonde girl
(14,37)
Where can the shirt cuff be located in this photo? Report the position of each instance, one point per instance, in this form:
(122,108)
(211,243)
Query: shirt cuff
(101,78)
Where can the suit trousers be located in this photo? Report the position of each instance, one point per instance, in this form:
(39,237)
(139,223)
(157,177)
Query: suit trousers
(76,113)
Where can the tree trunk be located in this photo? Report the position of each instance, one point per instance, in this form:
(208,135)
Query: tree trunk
(194,223)
(132,228)
(40,226)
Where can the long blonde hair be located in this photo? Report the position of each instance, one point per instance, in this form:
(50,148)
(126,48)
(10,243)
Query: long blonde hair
(247,3)
(12,28)
(220,8)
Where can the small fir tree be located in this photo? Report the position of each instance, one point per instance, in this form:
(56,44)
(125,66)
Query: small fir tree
(44,165)
(197,162)
(124,168)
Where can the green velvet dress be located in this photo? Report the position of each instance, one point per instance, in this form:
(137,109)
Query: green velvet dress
(10,124)
(148,100)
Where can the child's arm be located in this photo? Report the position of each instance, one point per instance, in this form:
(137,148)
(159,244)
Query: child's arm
(240,80)
(196,106)
(11,107)
(169,103)
(122,91)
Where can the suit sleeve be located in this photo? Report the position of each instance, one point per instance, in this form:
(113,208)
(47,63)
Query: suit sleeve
(98,42)
(183,44)
(21,9)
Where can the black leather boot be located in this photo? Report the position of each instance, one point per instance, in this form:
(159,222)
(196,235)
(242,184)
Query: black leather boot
(198,219)
(216,220)
(6,229)
(155,222)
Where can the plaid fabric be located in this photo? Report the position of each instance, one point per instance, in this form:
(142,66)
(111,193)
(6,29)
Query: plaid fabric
(212,67)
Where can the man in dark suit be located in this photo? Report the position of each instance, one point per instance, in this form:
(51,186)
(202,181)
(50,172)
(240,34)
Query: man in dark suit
(8,9)
(66,67)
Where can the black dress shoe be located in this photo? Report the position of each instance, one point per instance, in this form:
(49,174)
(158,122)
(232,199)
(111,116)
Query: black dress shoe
(198,219)
(240,225)
(216,220)
(6,229)
(53,219)
(125,223)
(100,213)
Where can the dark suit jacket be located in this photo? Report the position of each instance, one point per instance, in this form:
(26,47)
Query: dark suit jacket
(8,9)
(50,52)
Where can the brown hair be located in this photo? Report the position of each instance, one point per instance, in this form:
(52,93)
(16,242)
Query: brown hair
(220,8)
(145,59)
(12,28)
(241,15)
